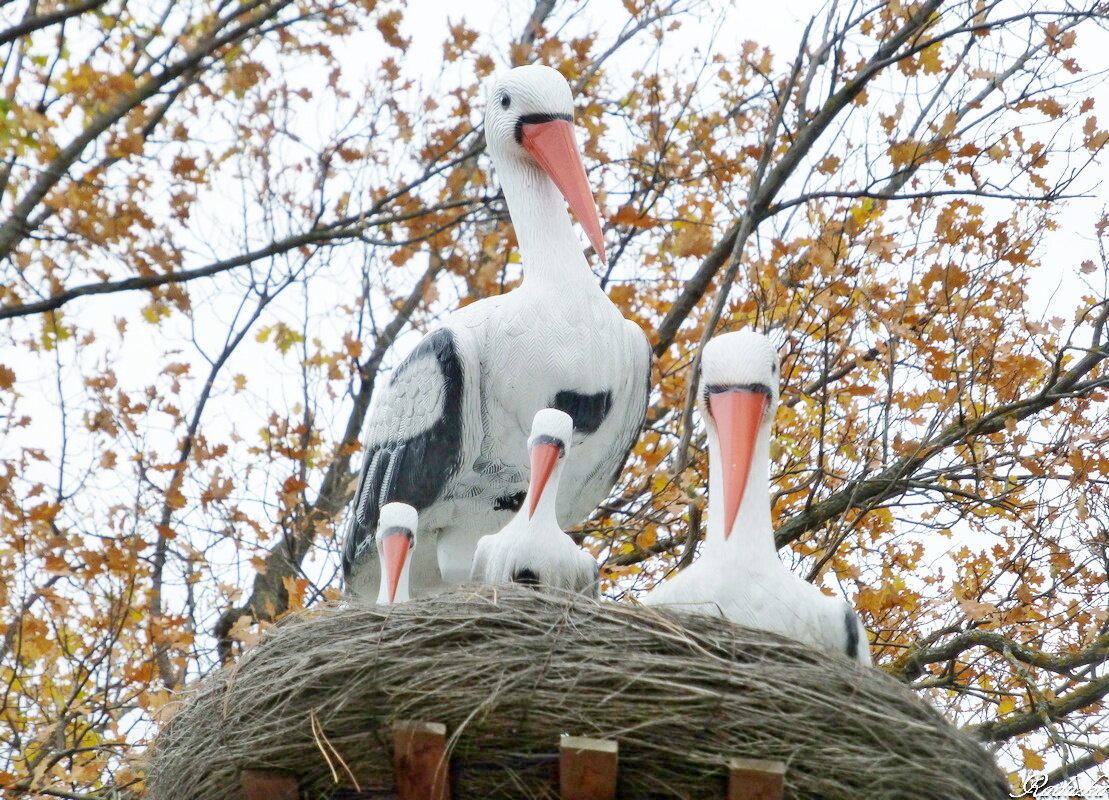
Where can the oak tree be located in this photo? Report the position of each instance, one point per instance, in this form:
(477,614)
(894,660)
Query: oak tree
(222,222)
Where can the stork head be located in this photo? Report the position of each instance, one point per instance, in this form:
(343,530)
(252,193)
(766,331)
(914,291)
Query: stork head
(551,431)
(738,394)
(530,120)
(396,536)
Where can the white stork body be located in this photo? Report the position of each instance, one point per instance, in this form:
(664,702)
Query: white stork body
(448,434)
(532,548)
(738,574)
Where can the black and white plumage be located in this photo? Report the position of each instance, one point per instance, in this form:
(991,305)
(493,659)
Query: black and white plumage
(532,549)
(738,574)
(448,432)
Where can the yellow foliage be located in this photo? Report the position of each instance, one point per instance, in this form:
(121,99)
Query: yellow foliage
(289,190)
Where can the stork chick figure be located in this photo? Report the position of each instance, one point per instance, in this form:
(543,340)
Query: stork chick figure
(448,434)
(738,574)
(395,540)
(532,549)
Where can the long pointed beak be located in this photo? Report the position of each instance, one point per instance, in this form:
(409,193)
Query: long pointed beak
(394,550)
(554,147)
(738,416)
(544,456)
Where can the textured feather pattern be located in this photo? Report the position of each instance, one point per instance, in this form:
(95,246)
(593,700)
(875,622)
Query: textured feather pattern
(415,442)
(513,354)
(551,343)
(556,335)
(541,343)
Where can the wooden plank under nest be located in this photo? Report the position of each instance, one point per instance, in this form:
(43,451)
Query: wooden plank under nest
(756,779)
(587,768)
(264,785)
(420,760)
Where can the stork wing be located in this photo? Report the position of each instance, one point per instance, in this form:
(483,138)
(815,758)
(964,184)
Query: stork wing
(414,439)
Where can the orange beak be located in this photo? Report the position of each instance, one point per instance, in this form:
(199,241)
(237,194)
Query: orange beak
(738,415)
(544,456)
(553,146)
(394,550)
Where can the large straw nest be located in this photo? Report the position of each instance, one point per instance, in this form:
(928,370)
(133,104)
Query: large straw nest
(508,670)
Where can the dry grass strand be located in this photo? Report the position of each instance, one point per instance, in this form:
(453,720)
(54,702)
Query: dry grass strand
(508,670)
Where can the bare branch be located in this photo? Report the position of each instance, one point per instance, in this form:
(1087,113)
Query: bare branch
(1000,730)
(912,665)
(36,23)
(253,17)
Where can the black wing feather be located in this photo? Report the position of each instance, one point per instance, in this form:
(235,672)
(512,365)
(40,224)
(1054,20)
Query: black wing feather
(851,622)
(587,410)
(415,470)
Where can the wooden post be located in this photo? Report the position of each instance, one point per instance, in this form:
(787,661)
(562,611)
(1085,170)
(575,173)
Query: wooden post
(260,785)
(755,779)
(587,768)
(420,760)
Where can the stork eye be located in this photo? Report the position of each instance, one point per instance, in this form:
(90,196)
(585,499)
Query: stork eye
(506,101)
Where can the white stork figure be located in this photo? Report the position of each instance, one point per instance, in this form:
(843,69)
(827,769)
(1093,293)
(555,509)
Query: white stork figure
(448,434)
(532,549)
(397,525)
(738,574)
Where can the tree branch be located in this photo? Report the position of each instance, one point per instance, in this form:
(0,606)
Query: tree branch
(1000,730)
(896,478)
(912,665)
(13,230)
(343,229)
(268,596)
(32,24)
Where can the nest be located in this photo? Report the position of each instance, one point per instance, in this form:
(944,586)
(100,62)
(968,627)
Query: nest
(508,670)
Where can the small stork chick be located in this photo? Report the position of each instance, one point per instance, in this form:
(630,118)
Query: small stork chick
(738,574)
(532,549)
(396,537)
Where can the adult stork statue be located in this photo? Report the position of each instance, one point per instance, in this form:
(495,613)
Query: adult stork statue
(532,549)
(396,537)
(448,434)
(738,574)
